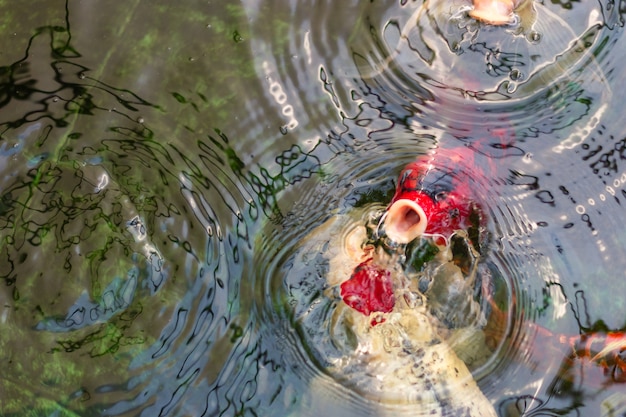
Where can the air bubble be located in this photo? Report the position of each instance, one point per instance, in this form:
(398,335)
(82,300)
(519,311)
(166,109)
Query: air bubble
(515,75)
(534,37)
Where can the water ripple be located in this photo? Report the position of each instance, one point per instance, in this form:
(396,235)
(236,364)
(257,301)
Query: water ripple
(158,255)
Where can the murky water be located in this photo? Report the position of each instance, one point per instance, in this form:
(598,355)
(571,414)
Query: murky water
(162,169)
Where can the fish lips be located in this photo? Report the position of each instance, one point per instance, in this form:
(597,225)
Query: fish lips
(408,216)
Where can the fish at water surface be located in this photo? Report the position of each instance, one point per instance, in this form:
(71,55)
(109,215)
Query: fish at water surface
(400,361)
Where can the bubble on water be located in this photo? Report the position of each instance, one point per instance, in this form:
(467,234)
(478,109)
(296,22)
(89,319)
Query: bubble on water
(237,37)
(515,74)
(534,36)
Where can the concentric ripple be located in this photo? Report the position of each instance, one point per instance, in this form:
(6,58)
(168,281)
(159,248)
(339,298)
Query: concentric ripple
(174,182)
(521,98)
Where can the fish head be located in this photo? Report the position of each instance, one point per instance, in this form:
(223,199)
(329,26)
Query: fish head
(407,215)
(432,200)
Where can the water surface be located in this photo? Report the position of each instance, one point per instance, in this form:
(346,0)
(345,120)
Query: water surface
(160,164)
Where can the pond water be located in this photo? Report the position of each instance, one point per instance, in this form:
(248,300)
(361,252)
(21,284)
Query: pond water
(161,165)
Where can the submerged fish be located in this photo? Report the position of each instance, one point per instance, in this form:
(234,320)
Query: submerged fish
(592,359)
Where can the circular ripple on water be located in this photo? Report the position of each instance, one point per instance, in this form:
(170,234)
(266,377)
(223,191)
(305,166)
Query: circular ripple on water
(489,63)
(292,282)
(381,76)
(494,91)
(555,76)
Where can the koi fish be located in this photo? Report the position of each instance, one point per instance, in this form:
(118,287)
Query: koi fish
(607,350)
(431,199)
(492,12)
(390,351)
(434,199)
(601,353)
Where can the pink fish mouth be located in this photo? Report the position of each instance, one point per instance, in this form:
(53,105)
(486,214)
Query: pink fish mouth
(494,12)
(405,221)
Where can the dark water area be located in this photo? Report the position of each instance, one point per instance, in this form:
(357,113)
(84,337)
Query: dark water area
(163,166)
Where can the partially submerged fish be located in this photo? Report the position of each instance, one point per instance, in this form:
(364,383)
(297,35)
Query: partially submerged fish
(399,344)
(439,46)
(433,197)
(397,354)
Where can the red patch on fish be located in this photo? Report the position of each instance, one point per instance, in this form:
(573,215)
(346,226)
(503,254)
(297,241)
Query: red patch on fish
(369,289)
(451,213)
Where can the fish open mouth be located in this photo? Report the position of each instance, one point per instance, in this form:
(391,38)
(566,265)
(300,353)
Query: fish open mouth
(494,12)
(405,221)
